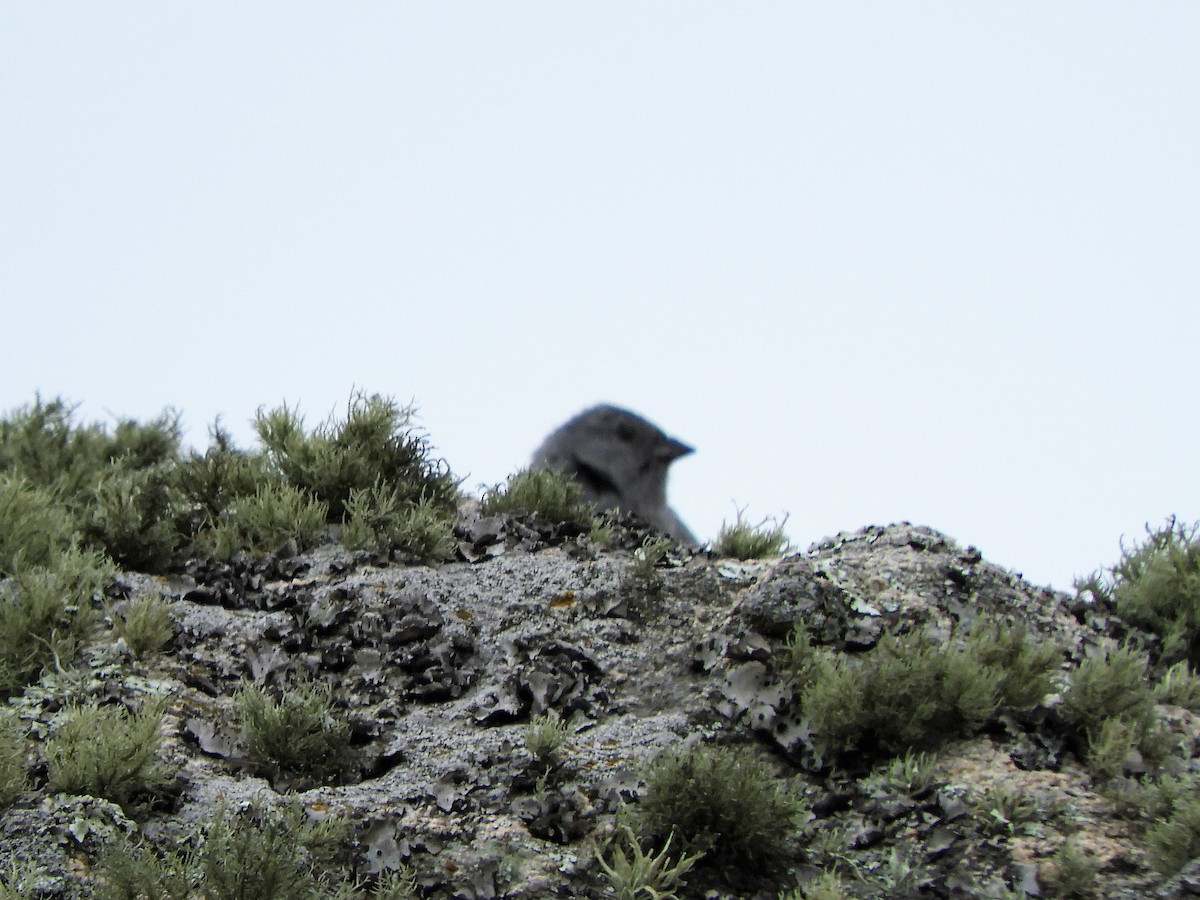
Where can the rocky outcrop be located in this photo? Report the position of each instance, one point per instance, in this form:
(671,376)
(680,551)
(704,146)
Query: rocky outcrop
(439,670)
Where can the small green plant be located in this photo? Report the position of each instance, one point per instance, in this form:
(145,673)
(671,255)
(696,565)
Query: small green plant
(18,883)
(13,777)
(1174,840)
(1112,685)
(1179,686)
(268,855)
(35,526)
(265,522)
(638,876)
(549,495)
(910,692)
(381,519)
(741,540)
(544,735)
(720,801)
(45,612)
(133,870)
(643,578)
(1072,873)
(375,443)
(1156,586)
(104,751)
(827,886)
(129,515)
(299,732)
(144,623)
(912,773)
(1004,807)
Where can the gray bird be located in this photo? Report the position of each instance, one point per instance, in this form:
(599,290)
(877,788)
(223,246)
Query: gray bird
(621,462)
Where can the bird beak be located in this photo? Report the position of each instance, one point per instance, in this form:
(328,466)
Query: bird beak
(675,449)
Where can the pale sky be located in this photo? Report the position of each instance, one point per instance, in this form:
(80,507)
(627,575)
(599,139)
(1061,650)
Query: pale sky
(935,262)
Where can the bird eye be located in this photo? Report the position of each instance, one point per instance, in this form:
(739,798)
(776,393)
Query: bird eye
(625,432)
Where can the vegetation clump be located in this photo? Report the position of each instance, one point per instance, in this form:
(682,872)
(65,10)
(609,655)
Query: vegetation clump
(380,520)
(721,802)
(299,732)
(105,751)
(266,521)
(909,692)
(144,623)
(742,540)
(641,876)
(1156,586)
(544,735)
(1111,703)
(45,612)
(551,496)
(269,854)
(376,443)
(14,778)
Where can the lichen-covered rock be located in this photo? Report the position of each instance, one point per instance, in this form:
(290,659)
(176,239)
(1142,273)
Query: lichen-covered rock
(439,670)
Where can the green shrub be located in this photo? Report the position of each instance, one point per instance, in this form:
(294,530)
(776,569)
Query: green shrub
(134,870)
(1156,586)
(45,613)
(104,751)
(1179,686)
(903,694)
(381,520)
(912,773)
(375,443)
(1110,685)
(549,495)
(269,855)
(144,623)
(1072,873)
(1027,667)
(18,883)
(909,692)
(265,522)
(13,776)
(41,442)
(299,732)
(637,875)
(719,801)
(35,526)
(129,516)
(741,540)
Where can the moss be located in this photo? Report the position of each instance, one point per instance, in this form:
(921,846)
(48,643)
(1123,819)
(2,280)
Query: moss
(545,734)
(129,516)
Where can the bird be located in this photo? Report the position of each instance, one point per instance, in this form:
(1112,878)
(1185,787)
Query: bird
(620,460)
